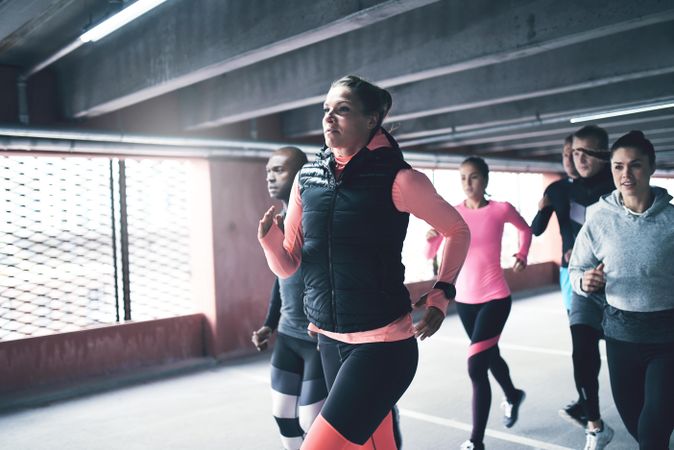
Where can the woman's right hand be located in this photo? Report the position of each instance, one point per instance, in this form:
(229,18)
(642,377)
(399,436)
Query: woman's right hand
(266,222)
(593,279)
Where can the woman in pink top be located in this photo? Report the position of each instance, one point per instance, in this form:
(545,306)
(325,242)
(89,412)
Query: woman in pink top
(345,225)
(482,294)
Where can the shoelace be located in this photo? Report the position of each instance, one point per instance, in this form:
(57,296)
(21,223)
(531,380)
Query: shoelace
(507,407)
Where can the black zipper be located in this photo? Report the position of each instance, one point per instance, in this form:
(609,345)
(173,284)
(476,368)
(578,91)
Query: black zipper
(332,274)
(332,184)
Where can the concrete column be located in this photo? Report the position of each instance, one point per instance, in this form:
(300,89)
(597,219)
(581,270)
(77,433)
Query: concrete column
(242,279)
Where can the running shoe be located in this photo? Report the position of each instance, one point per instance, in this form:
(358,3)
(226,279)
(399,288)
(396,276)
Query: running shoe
(511,410)
(598,439)
(574,413)
(470,445)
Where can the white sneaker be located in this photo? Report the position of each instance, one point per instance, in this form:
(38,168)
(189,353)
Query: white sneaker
(597,440)
(470,445)
(511,410)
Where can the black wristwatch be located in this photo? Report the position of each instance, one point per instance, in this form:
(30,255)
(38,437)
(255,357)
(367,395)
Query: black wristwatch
(448,289)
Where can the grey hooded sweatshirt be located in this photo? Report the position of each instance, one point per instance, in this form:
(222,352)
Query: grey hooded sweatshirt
(638,256)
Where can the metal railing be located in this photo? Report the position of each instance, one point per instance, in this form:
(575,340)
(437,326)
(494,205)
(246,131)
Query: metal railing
(91,241)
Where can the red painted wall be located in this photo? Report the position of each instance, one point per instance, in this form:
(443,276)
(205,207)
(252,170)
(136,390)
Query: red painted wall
(75,356)
(534,276)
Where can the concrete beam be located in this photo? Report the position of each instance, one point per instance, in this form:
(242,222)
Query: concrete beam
(581,67)
(656,124)
(530,112)
(184,42)
(562,124)
(15,14)
(534,144)
(546,144)
(22,19)
(440,39)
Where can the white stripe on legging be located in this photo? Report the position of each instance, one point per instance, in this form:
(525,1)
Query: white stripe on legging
(283,406)
(491,433)
(307,414)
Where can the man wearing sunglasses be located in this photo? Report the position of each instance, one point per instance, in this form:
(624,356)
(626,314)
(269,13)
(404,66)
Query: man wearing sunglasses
(591,159)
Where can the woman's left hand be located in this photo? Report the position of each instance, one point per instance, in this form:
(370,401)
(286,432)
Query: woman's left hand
(519,265)
(429,324)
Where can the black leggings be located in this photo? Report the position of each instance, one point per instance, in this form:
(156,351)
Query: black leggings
(586,365)
(365,381)
(483,323)
(642,382)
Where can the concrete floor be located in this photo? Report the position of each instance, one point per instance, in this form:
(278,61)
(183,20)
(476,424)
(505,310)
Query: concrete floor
(228,406)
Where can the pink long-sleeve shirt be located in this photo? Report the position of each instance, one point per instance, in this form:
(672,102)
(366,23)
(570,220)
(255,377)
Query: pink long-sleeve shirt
(482,278)
(412,192)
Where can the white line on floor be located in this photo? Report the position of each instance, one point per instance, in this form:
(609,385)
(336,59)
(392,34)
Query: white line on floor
(533,443)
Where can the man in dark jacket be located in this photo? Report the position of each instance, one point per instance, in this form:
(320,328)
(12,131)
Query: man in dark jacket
(591,159)
(556,199)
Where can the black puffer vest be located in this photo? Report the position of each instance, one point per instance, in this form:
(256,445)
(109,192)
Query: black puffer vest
(353,238)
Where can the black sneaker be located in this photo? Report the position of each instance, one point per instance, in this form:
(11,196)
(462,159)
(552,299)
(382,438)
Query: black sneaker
(575,414)
(511,410)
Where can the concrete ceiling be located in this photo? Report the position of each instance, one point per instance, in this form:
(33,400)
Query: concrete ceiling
(498,79)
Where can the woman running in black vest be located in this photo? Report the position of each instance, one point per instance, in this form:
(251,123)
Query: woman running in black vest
(346,222)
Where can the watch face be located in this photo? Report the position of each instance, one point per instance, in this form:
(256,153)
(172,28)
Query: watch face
(447,288)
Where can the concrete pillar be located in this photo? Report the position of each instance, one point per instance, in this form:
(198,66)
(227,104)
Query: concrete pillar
(242,280)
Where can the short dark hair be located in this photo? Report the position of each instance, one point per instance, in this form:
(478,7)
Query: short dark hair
(373,98)
(479,164)
(636,139)
(568,140)
(297,156)
(593,132)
